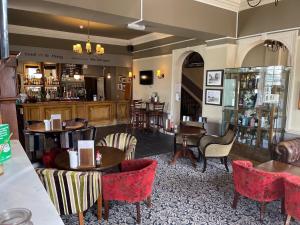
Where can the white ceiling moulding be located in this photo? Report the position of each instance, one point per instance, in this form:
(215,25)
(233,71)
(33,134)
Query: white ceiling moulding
(160,46)
(149,37)
(232,5)
(16,29)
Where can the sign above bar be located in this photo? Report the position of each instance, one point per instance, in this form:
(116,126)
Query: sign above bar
(65,56)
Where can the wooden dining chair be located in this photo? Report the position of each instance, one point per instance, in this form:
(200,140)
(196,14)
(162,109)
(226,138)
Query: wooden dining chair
(34,142)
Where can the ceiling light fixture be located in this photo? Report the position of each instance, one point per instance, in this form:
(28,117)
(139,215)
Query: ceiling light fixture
(135,25)
(254,3)
(77,48)
(38,74)
(274,45)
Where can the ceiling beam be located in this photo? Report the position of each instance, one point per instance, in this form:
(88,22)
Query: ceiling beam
(168,16)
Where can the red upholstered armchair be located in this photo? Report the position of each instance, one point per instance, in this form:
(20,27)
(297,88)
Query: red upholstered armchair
(256,184)
(292,198)
(133,184)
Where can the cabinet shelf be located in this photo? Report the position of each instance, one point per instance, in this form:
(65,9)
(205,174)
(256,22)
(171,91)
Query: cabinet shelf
(51,86)
(255,100)
(33,85)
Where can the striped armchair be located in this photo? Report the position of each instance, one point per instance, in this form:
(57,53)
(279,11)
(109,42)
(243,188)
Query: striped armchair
(123,141)
(72,192)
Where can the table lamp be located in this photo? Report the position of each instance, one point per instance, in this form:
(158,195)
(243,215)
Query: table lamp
(5,147)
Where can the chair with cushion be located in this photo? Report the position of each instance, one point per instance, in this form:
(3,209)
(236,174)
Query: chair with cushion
(72,192)
(70,139)
(292,198)
(133,184)
(256,184)
(217,147)
(34,142)
(289,151)
(123,141)
(192,141)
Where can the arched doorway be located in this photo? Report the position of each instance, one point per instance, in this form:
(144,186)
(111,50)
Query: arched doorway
(192,86)
(263,55)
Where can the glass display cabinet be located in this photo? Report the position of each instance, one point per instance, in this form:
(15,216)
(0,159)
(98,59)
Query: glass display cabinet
(255,101)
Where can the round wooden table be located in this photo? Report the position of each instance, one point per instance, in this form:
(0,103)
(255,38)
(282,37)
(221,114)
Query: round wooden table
(40,128)
(111,157)
(186,132)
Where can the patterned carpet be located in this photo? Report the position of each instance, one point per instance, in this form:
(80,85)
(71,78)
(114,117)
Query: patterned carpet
(184,195)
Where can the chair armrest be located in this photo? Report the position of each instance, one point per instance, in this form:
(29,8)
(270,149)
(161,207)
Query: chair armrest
(132,165)
(288,151)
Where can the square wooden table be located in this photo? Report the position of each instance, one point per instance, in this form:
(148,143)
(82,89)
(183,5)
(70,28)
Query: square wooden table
(276,166)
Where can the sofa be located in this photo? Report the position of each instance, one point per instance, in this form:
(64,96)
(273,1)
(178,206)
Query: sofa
(289,151)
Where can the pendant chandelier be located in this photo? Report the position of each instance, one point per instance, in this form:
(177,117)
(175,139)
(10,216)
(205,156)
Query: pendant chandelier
(77,48)
(254,3)
(274,45)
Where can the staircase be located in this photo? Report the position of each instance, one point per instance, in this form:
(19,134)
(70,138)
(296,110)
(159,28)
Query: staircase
(191,98)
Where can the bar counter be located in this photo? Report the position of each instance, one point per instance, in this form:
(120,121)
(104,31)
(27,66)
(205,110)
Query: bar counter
(98,113)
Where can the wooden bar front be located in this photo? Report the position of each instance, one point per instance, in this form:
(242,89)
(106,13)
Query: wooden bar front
(98,113)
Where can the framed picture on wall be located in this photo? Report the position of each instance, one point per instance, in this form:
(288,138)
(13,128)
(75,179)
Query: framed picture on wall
(214,78)
(213,97)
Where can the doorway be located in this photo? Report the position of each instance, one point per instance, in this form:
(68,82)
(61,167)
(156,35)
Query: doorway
(192,86)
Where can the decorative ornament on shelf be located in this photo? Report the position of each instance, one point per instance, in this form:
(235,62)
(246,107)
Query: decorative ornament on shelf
(274,45)
(254,3)
(77,48)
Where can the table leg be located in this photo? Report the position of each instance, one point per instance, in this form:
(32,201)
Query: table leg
(184,152)
(177,155)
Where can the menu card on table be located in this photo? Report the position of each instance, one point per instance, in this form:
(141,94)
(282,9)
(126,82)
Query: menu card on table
(86,157)
(56,122)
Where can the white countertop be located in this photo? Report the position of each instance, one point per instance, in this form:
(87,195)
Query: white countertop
(20,187)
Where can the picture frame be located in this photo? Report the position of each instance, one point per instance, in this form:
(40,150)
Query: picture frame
(213,97)
(214,78)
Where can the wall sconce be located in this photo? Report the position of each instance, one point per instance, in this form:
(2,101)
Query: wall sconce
(108,76)
(159,74)
(130,75)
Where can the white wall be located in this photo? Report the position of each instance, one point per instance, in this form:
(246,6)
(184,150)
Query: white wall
(161,86)
(294,97)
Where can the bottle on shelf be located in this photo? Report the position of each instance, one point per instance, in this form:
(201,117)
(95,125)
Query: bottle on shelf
(254,140)
(48,95)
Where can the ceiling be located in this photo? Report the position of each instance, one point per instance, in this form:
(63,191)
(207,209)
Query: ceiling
(233,5)
(68,24)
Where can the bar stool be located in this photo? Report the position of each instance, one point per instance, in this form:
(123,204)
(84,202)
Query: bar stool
(137,114)
(157,114)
